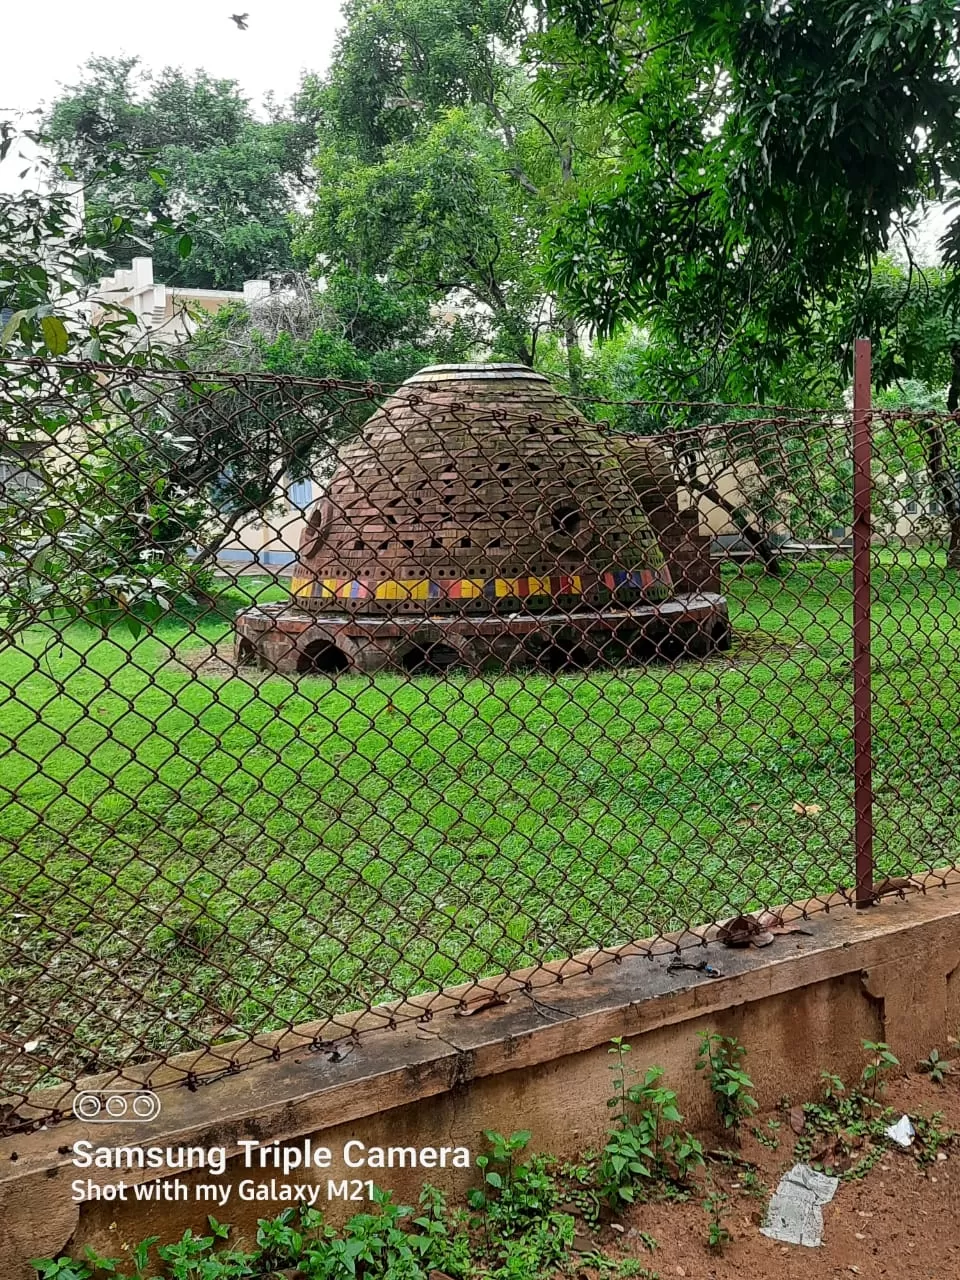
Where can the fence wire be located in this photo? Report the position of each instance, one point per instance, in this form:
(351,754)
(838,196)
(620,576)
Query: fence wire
(324,707)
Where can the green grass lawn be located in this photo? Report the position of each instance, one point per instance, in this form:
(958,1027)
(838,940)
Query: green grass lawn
(186,856)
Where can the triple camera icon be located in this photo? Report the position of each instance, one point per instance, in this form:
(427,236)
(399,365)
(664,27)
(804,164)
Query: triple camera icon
(116,1106)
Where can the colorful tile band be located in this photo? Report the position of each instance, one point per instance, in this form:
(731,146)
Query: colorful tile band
(655,583)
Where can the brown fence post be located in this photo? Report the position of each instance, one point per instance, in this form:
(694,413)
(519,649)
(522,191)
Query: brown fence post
(862,590)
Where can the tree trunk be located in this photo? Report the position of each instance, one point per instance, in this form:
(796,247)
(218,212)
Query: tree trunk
(758,540)
(945,477)
(525,353)
(953,394)
(571,340)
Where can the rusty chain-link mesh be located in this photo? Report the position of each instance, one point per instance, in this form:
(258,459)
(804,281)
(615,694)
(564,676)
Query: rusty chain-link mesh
(317,701)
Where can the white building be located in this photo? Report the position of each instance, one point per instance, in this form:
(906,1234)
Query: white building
(166,313)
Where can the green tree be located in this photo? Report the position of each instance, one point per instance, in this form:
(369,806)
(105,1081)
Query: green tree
(109,534)
(237,175)
(438,215)
(910,314)
(439,162)
(914,323)
(402,64)
(768,153)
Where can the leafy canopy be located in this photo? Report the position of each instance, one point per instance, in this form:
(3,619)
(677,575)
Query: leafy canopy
(768,149)
(237,175)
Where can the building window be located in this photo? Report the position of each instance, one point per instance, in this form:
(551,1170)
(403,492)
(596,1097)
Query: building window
(300,493)
(911,508)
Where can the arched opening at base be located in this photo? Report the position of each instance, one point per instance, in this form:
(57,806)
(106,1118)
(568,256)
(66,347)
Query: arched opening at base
(640,649)
(321,658)
(428,659)
(670,647)
(246,653)
(722,635)
(559,658)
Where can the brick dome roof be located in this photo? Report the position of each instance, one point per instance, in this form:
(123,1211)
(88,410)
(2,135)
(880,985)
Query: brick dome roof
(479,489)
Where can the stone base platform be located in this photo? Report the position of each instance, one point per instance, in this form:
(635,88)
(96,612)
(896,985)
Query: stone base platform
(286,638)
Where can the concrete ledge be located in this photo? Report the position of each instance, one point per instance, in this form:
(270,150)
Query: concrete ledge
(535,1060)
(193,1068)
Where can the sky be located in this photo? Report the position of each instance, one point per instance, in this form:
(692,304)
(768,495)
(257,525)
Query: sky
(45,44)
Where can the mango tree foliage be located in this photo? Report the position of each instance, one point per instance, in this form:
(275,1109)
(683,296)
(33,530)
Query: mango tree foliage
(769,150)
(914,323)
(402,64)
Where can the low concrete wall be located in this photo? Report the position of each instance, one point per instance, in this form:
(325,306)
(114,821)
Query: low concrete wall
(539,1061)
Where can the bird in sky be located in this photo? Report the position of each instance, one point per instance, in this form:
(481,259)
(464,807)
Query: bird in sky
(240,19)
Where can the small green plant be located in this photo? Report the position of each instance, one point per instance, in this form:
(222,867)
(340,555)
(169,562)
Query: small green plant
(935,1067)
(622,1269)
(61,1269)
(517,1209)
(600,1262)
(524,1192)
(833,1086)
(633,1269)
(280,1239)
(721,1058)
(844,1132)
(930,1137)
(767,1139)
(646,1145)
(715,1206)
(837,1129)
(377,1242)
(195,1256)
(881,1063)
(449,1244)
(503,1154)
(753,1185)
(580,1190)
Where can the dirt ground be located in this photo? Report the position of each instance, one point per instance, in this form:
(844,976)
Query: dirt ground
(217,660)
(900,1221)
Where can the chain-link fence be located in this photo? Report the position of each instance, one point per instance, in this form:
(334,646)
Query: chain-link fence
(317,702)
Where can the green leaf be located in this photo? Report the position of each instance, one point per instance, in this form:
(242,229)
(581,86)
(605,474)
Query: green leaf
(185,246)
(13,324)
(55,335)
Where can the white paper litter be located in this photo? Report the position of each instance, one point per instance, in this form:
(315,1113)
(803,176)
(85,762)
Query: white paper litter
(902,1133)
(794,1215)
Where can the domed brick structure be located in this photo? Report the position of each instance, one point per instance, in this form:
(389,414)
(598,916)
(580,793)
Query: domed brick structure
(478,520)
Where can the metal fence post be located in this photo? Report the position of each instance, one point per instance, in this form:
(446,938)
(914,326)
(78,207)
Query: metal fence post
(862,590)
